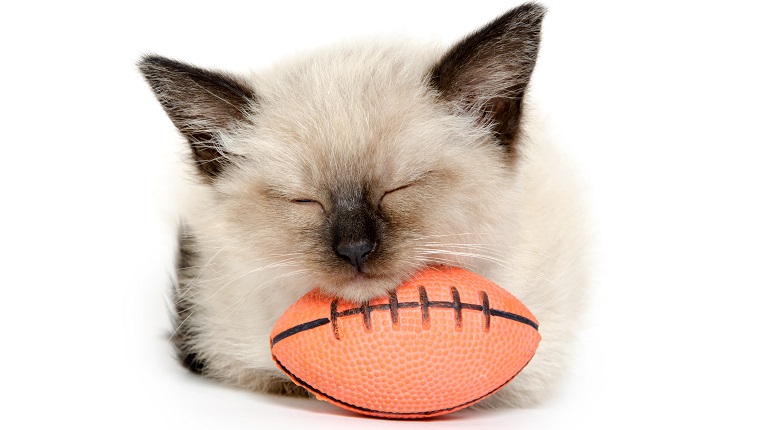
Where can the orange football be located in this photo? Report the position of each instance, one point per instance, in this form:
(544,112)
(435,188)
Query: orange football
(446,339)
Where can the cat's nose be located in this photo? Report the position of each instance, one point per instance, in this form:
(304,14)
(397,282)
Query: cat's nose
(356,252)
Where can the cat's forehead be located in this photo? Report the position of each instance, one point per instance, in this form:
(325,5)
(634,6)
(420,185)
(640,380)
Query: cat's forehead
(357,111)
(354,91)
(348,69)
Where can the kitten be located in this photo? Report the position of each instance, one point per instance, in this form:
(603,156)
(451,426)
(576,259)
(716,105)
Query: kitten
(352,169)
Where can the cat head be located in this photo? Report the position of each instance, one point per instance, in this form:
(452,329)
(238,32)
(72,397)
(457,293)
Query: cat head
(360,165)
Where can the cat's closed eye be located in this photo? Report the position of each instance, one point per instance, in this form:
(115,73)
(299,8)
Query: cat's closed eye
(395,190)
(308,202)
(404,187)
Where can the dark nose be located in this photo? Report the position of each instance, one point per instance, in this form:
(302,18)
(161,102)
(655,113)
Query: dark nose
(355,253)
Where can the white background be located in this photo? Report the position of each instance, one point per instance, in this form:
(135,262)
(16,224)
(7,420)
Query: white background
(657,102)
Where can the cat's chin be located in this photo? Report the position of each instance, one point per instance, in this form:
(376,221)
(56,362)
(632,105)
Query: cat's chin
(361,287)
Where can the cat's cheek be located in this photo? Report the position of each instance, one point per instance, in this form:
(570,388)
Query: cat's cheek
(396,207)
(308,225)
(411,206)
(309,215)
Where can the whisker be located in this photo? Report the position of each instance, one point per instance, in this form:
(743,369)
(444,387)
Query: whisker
(179,326)
(507,264)
(196,281)
(238,277)
(179,294)
(239,302)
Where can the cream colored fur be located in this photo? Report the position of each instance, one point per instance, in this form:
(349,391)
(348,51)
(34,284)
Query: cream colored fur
(362,112)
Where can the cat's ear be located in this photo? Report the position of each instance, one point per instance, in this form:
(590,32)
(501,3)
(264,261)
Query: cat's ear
(202,104)
(487,72)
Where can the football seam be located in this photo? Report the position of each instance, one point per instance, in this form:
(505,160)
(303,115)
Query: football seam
(393,305)
(306,385)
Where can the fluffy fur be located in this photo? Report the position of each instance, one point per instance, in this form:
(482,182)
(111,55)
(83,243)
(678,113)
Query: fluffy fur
(428,156)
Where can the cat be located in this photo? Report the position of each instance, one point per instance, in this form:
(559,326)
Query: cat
(353,168)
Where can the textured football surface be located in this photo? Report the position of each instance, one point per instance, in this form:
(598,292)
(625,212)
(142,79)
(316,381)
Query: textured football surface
(444,340)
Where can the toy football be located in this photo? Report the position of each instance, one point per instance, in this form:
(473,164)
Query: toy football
(446,339)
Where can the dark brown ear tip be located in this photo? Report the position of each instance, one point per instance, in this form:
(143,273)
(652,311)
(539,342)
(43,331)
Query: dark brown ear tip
(151,62)
(526,16)
(153,67)
(148,60)
(145,64)
(529,12)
